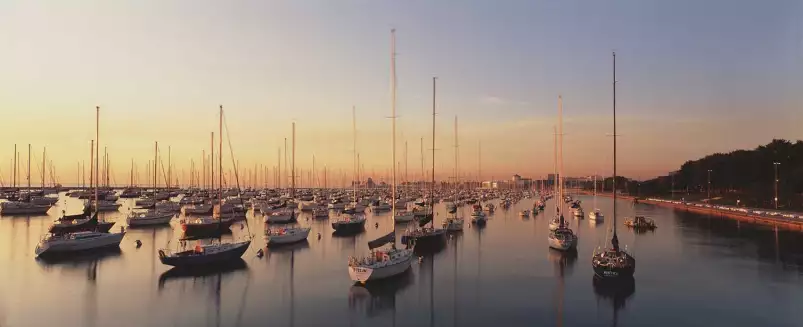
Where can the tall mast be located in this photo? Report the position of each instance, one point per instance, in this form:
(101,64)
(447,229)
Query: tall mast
(107,163)
(14,177)
(479,162)
(279,172)
(212,163)
(455,152)
(614,239)
(155,160)
(220,161)
(97,151)
(169,169)
(285,156)
(355,164)
(423,176)
(91,163)
(456,167)
(432,188)
(44,168)
(560,146)
(29,172)
(555,167)
(313,172)
(293,169)
(393,118)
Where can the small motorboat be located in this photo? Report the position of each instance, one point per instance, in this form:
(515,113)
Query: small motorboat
(596,215)
(640,222)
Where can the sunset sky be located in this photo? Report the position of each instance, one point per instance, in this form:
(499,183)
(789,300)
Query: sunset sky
(696,77)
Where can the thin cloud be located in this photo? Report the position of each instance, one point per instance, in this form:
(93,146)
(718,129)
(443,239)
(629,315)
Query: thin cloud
(493,100)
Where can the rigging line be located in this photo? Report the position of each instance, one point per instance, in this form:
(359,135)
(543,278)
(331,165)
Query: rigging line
(231,151)
(164,174)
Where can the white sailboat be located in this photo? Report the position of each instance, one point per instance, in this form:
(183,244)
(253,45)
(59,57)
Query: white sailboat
(286,235)
(596,215)
(150,217)
(57,243)
(78,241)
(390,262)
(26,207)
(561,238)
(454,223)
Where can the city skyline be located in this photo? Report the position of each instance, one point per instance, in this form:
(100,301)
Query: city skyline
(694,80)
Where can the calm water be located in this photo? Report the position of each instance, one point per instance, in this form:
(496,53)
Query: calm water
(692,271)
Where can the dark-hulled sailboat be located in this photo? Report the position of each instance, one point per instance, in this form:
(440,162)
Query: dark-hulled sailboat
(207,254)
(426,236)
(613,262)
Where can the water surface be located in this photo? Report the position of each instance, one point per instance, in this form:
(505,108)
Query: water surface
(692,271)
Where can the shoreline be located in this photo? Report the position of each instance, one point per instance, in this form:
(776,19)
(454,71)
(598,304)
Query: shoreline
(780,222)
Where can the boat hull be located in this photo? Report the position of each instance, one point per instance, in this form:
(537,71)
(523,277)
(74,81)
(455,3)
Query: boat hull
(236,252)
(61,247)
(154,221)
(614,273)
(288,238)
(279,219)
(348,227)
(212,228)
(35,210)
(562,245)
(365,274)
(403,218)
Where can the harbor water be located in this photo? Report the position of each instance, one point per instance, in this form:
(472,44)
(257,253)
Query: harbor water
(693,270)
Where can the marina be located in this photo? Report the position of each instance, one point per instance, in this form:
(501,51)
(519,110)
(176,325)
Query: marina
(504,267)
(524,163)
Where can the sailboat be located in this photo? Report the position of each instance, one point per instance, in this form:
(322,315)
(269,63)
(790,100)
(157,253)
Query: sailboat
(427,236)
(287,235)
(390,262)
(24,206)
(613,262)
(150,217)
(67,240)
(596,215)
(562,238)
(555,222)
(352,220)
(208,254)
(454,223)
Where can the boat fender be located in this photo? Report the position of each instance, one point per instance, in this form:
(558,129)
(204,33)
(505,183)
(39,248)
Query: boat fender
(376,225)
(162,254)
(139,243)
(319,236)
(241,226)
(260,253)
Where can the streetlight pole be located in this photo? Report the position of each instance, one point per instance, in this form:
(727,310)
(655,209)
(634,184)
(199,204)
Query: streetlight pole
(775,164)
(709,185)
